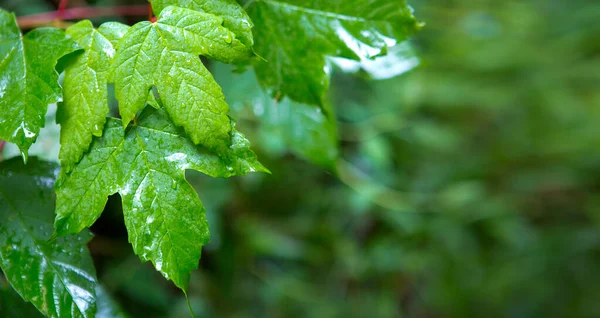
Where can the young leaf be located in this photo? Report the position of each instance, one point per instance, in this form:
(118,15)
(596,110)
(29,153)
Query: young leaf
(58,276)
(234,16)
(28,80)
(164,216)
(165,54)
(295,36)
(83,113)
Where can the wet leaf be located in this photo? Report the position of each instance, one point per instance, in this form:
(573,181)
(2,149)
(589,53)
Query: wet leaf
(296,36)
(83,113)
(12,305)
(145,165)
(57,276)
(234,16)
(28,80)
(165,54)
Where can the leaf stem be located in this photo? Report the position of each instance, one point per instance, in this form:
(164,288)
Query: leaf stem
(33,20)
(2,143)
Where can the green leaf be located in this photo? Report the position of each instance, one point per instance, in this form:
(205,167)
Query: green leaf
(12,305)
(283,125)
(57,276)
(83,113)
(145,165)
(234,16)
(399,60)
(28,80)
(107,307)
(296,36)
(165,54)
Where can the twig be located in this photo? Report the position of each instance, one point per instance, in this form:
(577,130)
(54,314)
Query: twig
(33,20)
(61,8)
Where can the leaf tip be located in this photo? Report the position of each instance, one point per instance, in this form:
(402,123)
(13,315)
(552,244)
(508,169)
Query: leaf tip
(24,155)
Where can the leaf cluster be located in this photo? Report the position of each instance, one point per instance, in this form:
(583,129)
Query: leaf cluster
(173,117)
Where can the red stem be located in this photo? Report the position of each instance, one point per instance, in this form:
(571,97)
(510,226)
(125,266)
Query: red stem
(62,5)
(33,20)
(151,16)
(2,143)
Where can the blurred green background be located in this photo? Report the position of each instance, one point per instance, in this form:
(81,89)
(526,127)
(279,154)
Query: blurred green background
(467,187)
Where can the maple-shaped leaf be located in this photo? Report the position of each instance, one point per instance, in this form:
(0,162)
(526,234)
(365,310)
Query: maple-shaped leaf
(296,36)
(234,16)
(145,165)
(28,80)
(83,112)
(57,276)
(165,54)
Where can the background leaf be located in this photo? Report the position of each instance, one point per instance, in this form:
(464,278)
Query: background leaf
(28,80)
(57,276)
(283,126)
(12,305)
(296,36)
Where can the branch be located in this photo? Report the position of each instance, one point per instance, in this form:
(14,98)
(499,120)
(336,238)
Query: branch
(29,21)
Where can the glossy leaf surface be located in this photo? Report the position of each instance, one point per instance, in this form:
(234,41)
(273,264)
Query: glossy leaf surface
(296,36)
(234,16)
(165,54)
(283,126)
(83,113)
(145,165)
(28,80)
(57,276)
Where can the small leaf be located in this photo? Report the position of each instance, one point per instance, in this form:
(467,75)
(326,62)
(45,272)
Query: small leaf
(28,80)
(83,113)
(164,216)
(296,36)
(165,54)
(57,276)
(234,16)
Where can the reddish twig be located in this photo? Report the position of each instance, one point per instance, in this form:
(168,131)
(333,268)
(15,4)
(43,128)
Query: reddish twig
(34,20)
(62,5)
(2,143)
(151,16)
